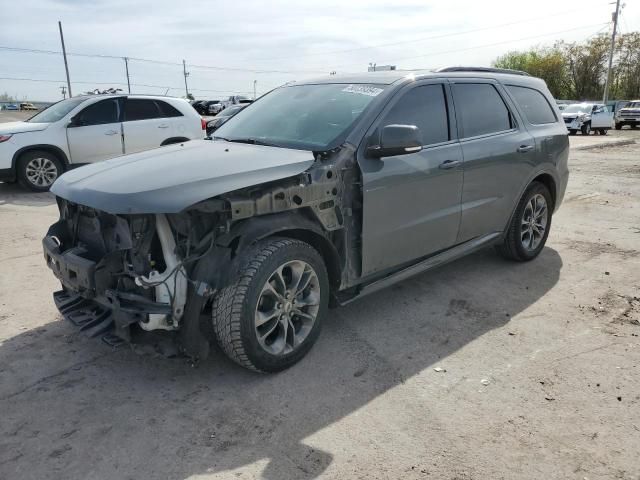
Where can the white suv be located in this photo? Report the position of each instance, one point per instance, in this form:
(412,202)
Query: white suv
(88,129)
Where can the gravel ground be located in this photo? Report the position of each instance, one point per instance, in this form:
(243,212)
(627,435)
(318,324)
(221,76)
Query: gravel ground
(538,368)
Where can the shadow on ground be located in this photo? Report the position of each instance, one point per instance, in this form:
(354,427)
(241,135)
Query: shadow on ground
(14,194)
(73,408)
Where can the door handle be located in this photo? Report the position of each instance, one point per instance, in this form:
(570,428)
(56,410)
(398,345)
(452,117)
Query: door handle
(164,125)
(525,148)
(447,164)
(111,132)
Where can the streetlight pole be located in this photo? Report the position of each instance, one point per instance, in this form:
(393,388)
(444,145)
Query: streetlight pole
(64,55)
(254,89)
(605,96)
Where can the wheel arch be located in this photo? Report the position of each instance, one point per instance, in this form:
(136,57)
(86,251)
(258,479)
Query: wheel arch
(291,225)
(57,151)
(544,177)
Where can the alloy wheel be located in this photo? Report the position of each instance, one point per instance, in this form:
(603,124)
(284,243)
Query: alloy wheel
(534,222)
(41,172)
(287,307)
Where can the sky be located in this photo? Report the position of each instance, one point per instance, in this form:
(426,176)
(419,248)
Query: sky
(231,45)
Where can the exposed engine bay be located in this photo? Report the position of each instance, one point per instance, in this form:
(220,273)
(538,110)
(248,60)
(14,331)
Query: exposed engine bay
(127,274)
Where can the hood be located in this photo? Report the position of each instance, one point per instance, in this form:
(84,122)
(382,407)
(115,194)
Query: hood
(172,178)
(21,127)
(573,114)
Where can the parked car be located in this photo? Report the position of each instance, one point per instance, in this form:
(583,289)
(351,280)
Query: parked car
(87,129)
(28,106)
(214,107)
(222,117)
(197,105)
(318,194)
(236,100)
(587,117)
(562,106)
(628,115)
(11,106)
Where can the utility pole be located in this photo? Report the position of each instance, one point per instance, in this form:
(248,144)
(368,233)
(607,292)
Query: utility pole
(605,97)
(64,55)
(254,88)
(63,90)
(126,67)
(186,74)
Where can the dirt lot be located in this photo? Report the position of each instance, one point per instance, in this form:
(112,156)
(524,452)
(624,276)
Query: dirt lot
(542,368)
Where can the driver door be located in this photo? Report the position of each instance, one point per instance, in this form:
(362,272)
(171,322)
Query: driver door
(96,132)
(601,117)
(412,201)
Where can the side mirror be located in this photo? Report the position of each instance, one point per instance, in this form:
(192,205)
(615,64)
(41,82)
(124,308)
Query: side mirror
(397,140)
(73,122)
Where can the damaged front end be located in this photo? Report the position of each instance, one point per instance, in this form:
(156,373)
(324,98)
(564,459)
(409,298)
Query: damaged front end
(123,275)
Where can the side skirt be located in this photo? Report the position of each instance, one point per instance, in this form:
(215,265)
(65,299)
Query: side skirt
(427,264)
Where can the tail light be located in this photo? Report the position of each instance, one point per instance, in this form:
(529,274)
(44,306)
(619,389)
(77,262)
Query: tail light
(203,124)
(4,138)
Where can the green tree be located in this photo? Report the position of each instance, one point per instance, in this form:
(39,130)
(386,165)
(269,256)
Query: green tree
(546,63)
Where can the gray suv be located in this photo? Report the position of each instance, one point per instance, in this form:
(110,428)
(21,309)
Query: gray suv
(319,193)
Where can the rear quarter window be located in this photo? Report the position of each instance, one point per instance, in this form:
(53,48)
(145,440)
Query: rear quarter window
(534,105)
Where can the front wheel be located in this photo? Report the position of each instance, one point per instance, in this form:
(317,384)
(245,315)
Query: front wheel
(529,228)
(572,132)
(618,126)
(38,169)
(269,316)
(586,128)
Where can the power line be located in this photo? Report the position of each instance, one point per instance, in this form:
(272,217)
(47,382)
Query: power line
(124,84)
(160,62)
(422,39)
(488,44)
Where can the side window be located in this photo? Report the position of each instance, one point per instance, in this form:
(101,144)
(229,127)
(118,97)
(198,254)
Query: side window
(481,108)
(140,109)
(426,108)
(100,113)
(168,110)
(535,106)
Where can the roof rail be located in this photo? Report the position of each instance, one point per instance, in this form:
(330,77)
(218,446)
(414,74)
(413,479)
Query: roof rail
(482,69)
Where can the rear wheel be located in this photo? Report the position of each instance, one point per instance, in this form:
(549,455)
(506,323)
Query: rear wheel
(270,315)
(602,131)
(529,228)
(38,169)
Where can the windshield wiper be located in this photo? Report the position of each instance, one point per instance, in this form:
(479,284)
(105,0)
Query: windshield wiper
(250,141)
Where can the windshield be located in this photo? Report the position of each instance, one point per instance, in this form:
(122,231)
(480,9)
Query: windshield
(55,112)
(578,107)
(230,111)
(632,105)
(305,117)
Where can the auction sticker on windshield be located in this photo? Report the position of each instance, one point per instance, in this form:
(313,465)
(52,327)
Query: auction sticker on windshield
(367,90)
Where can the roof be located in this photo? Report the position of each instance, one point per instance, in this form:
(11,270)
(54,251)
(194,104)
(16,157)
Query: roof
(389,77)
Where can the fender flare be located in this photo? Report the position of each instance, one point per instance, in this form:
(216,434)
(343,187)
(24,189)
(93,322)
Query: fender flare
(293,224)
(525,185)
(41,146)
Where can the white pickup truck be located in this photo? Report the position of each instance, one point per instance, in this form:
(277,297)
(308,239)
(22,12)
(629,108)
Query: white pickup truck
(628,115)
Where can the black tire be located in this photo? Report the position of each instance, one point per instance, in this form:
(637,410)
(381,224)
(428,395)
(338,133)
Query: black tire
(633,126)
(234,306)
(572,132)
(512,247)
(602,131)
(618,126)
(586,128)
(25,162)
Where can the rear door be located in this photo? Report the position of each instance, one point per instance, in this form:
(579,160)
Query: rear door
(412,202)
(498,155)
(96,132)
(144,125)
